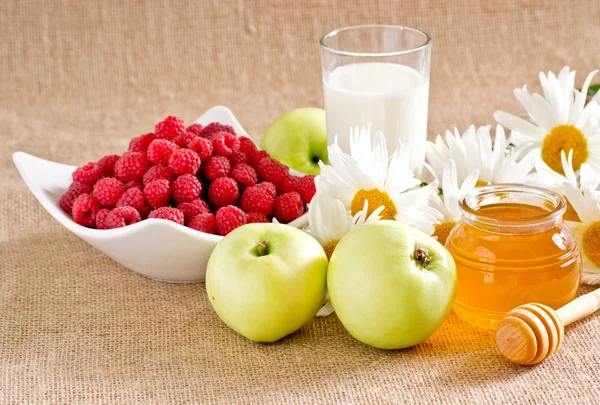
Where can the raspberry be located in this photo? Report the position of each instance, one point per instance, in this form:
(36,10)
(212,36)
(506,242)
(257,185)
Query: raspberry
(102,219)
(255,217)
(215,167)
(193,208)
(237,158)
(225,144)
(307,188)
(169,128)
(168,213)
(107,163)
(184,161)
(290,183)
(183,139)
(140,143)
(85,209)
(134,184)
(288,207)
(255,158)
(158,193)
(257,199)
(108,190)
(223,191)
(186,188)
(270,187)
(204,223)
(158,172)
(228,218)
(160,150)
(213,128)
(244,174)
(75,190)
(88,174)
(195,129)
(247,146)
(202,146)
(134,198)
(131,166)
(271,170)
(122,216)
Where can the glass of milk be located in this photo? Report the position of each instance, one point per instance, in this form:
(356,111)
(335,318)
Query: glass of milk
(377,75)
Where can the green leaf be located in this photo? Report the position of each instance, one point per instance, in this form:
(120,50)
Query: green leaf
(593,89)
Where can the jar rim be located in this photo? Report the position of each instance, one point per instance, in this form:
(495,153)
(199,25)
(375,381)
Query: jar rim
(553,215)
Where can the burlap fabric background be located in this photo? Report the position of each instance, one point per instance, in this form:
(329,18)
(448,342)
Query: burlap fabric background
(79,78)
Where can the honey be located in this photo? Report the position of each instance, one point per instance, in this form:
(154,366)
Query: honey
(511,247)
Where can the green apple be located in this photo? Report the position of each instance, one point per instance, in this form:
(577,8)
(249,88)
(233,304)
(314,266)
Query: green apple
(391,285)
(266,280)
(298,139)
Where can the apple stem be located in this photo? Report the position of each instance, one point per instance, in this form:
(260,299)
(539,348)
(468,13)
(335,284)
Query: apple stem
(422,257)
(262,248)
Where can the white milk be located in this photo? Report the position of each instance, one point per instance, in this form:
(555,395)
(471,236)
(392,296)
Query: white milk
(391,97)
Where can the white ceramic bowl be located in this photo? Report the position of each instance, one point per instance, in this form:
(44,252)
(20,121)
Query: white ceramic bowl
(155,248)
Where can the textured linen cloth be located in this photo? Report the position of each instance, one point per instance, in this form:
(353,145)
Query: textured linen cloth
(78,79)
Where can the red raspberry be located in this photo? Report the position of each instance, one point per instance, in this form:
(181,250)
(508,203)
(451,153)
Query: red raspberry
(247,146)
(107,163)
(202,146)
(183,139)
(107,191)
(213,128)
(290,183)
(186,188)
(85,209)
(168,213)
(134,184)
(257,199)
(184,161)
(255,217)
(228,218)
(271,170)
(88,174)
(158,172)
(215,167)
(158,193)
(193,208)
(140,143)
(134,198)
(270,187)
(160,150)
(195,129)
(225,144)
(102,219)
(169,128)
(131,166)
(75,190)
(237,158)
(288,207)
(122,216)
(204,223)
(223,191)
(255,158)
(307,188)
(244,174)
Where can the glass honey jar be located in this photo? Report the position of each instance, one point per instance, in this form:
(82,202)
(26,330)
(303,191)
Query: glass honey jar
(512,247)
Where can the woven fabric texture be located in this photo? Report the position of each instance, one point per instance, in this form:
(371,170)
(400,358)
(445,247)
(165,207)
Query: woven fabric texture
(79,78)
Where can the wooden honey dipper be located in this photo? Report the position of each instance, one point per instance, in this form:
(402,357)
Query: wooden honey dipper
(531,333)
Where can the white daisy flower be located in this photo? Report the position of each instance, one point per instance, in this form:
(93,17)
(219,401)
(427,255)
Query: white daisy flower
(447,204)
(370,174)
(559,120)
(474,151)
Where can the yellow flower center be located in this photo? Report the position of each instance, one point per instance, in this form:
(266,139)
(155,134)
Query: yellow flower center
(330,247)
(481,183)
(443,230)
(564,137)
(591,243)
(571,214)
(376,199)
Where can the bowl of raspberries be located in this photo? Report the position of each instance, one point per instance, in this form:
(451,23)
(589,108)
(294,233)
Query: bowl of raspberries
(161,207)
